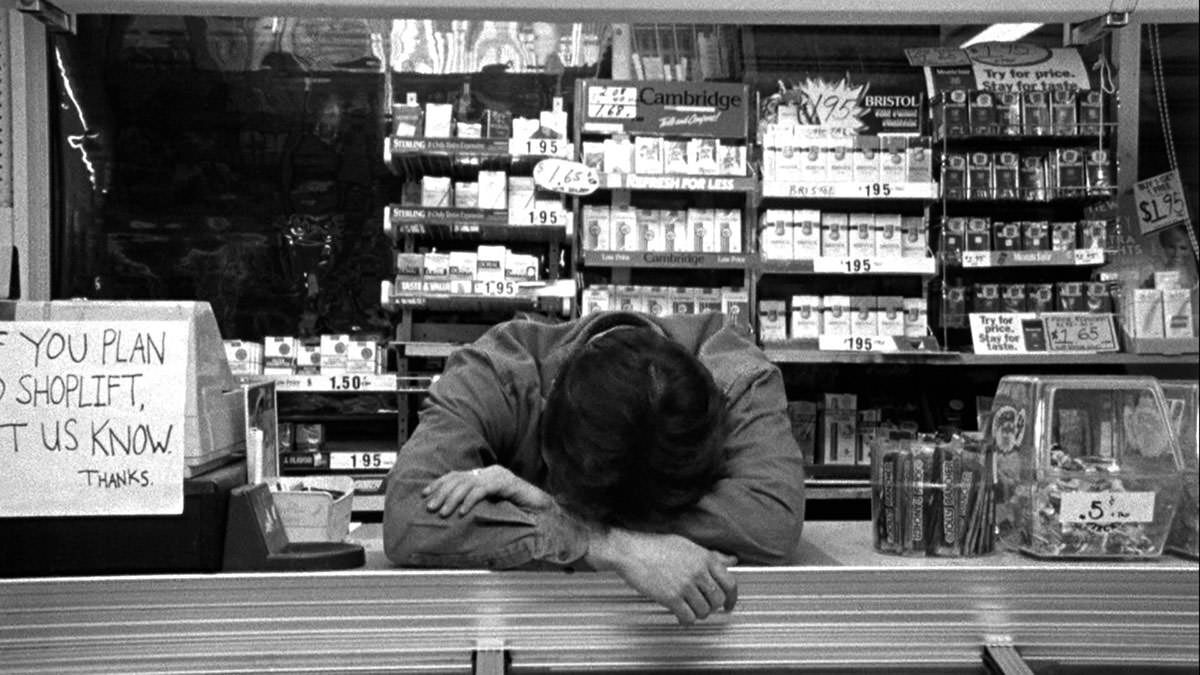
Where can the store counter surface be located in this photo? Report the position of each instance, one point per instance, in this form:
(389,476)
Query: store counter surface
(844,606)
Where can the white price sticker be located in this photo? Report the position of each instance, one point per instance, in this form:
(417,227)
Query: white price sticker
(362,461)
(1089,256)
(856,343)
(546,147)
(824,265)
(877,190)
(539,217)
(567,177)
(1103,508)
(977,259)
(613,95)
(500,289)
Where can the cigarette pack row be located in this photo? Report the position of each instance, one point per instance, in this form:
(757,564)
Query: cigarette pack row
(982,234)
(803,234)
(625,228)
(1035,112)
(657,156)
(438,120)
(494,190)
(333,354)
(664,301)
(458,271)
(1065,173)
(812,316)
(1159,312)
(882,159)
(959,300)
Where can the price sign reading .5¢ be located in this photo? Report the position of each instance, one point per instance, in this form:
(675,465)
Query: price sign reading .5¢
(1104,508)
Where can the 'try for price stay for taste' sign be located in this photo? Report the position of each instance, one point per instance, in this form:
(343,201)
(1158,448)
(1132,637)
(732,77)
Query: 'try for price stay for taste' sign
(91,417)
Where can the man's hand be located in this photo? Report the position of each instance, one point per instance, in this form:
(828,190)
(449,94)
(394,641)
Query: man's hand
(675,572)
(462,490)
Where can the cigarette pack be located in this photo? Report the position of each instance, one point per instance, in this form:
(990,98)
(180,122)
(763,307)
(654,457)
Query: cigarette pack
(1099,172)
(596,228)
(919,161)
(869,422)
(629,299)
(1098,297)
(866,160)
(658,300)
(618,155)
(525,127)
(437,273)
(521,194)
(979,235)
(1006,167)
(954,237)
(308,359)
(498,123)
(835,315)
(410,267)
(675,157)
(916,319)
(406,120)
(462,271)
(864,315)
(244,358)
(806,234)
(596,299)
(954,307)
(466,195)
(555,121)
(648,155)
(279,355)
(468,129)
(890,310)
(1070,296)
(1008,113)
(683,300)
(980,183)
(1039,298)
(623,228)
(811,164)
(702,231)
(435,191)
(915,240)
(333,353)
(490,263)
(1032,177)
(861,235)
(729,230)
(493,190)
(987,299)
(954,176)
(1069,178)
(735,305)
(834,230)
(888,236)
(1178,321)
(1091,112)
(1093,234)
(1062,236)
(650,230)
(1007,236)
(1148,313)
(840,165)
(1035,235)
(1063,112)
(783,164)
(953,110)
(772,320)
(1013,298)
(806,317)
(438,117)
(702,155)
(731,159)
(708,300)
(1035,113)
(674,223)
(362,357)
(593,155)
(893,161)
(981,109)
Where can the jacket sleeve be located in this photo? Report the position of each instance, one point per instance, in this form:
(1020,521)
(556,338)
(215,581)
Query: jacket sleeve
(757,511)
(472,419)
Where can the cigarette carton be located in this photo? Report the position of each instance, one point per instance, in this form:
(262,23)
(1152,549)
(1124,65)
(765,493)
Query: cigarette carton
(648,157)
(498,123)
(1098,297)
(978,234)
(866,160)
(244,358)
(953,110)
(437,273)
(1006,236)
(493,190)
(1006,167)
(623,228)
(438,117)
(919,161)
(462,271)
(835,315)
(834,230)
(279,354)
(675,236)
(1063,112)
(466,195)
(1062,236)
(410,267)
(729,230)
(864,316)
(701,227)
(1008,113)
(981,109)
(772,320)
(362,357)
(954,306)
(308,359)
(593,155)
(675,157)
(629,299)
(806,234)
(708,300)
(1093,234)
(1070,296)
(1099,172)
(1035,113)
(954,237)
(406,120)
(650,230)
(1035,235)
(840,436)
(1069,178)
(731,159)
(702,155)
(806,317)
(979,176)
(840,165)
(618,155)
(1039,297)
(333,353)
(916,320)
(987,299)
(1178,321)
(596,299)
(468,129)
(862,235)
(954,176)
(596,228)
(811,164)
(1013,298)
(658,300)
(735,305)
(891,315)
(1032,178)
(435,191)
(915,240)
(683,300)
(521,194)
(490,263)
(1148,315)
(888,236)
(1091,112)
(893,160)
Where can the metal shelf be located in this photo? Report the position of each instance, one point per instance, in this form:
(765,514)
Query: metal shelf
(783,354)
(667,260)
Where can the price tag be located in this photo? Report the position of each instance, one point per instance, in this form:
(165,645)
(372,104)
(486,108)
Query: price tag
(883,190)
(857,343)
(1080,332)
(613,95)
(1103,508)
(560,175)
(611,111)
(539,217)
(1160,202)
(824,265)
(362,461)
(977,259)
(499,289)
(549,147)
(346,382)
(1089,256)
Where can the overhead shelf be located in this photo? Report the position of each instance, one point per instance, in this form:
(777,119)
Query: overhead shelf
(781,353)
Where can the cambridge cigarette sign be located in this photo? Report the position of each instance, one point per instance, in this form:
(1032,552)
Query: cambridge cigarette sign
(694,109)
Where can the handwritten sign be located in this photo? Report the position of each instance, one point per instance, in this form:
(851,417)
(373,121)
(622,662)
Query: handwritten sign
(999,333)
(560,175)
(91,417)
(1082,332)
(1160,202)
(1104,508)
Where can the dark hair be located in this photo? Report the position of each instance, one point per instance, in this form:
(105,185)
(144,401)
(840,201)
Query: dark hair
(634,429)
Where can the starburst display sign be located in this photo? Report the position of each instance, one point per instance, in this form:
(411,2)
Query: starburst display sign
(847,105)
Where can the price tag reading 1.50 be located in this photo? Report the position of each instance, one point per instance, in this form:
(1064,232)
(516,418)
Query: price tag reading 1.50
(361,460)
(348,382)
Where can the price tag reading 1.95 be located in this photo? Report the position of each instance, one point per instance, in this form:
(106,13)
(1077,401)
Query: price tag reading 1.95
(857,343)
(362,460)
(877,190)
(549,147)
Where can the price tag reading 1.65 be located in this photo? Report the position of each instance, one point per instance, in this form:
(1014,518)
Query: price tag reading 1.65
(361,460)
(560,175)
